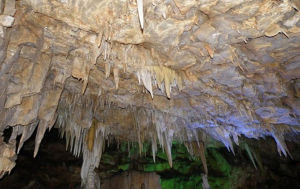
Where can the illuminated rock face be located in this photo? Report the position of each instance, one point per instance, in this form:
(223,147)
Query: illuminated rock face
(150,70)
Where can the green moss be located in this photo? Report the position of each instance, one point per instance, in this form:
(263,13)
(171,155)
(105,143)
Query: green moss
(182,183)
(168,183)
(219,163)
(186,171)
(220,182)
(162,155)
(124,167)
(156,167)
(181,166)
(107,159)
(185,166)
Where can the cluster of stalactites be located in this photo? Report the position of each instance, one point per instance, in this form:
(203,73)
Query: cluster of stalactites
(78,119)
(165,78)
(92,151)
(133,60)
(90,140)
(162,129)
(8,153)
(228,135)
(157,126)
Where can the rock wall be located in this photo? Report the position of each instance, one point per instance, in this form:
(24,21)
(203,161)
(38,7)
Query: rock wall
(133,180)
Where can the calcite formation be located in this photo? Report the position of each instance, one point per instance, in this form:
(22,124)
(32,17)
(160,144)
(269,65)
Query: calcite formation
(148,70)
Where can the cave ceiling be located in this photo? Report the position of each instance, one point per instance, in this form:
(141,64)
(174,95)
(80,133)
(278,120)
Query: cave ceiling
(148,70)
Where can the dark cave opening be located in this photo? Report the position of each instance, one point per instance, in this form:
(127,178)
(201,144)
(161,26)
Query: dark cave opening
(54,167)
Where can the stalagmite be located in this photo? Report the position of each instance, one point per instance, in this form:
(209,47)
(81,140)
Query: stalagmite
(93,180)
(205,184)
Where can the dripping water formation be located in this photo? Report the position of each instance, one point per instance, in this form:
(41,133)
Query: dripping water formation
(149,94)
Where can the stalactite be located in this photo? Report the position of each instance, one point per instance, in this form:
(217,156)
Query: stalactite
(168,76)
(235,138)
(116,76)
(202,156)
(224,136)
(140,142)
(81,71)
(168,146)
(161,74)
(167,86)
(91,136)
(153,146)
(96,52)
(281,145)
(73,133)
(107,70)
(26,134)
(247,148)
(7,156)
(141,12)
(145,76)
(105,50)
(99,39)
(39,136)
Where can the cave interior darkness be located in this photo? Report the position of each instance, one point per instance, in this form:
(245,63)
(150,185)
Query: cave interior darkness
(55,167)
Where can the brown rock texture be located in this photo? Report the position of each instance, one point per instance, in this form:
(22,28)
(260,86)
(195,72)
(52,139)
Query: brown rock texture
(133,180)
(150,70)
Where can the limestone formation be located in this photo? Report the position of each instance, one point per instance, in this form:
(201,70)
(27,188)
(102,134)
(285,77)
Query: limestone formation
(148,70)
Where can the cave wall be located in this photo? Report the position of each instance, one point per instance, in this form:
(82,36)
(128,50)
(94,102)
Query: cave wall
(167,70)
